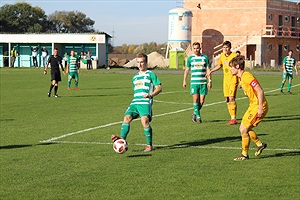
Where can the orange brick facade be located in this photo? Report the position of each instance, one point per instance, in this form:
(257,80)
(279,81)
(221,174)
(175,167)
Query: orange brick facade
(263,30)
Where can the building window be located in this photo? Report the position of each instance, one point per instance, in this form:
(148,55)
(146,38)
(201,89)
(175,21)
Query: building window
(286,47)
(287,18)
(270,16)
(270,47)
(298,48)
(298,19)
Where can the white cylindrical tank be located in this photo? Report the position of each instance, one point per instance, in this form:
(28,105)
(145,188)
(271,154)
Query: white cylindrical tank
(180,21)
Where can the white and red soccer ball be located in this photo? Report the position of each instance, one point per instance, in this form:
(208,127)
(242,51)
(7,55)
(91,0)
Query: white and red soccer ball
(120,146)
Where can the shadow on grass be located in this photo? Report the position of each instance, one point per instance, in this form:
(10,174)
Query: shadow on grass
(201,142)
(272,95)
(115,88)
(290,153)
(95,95)
(266,119)
(17,146)
(139,155)
(281,118)
(6,120)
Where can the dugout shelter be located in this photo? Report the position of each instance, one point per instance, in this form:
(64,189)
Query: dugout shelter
(65,42)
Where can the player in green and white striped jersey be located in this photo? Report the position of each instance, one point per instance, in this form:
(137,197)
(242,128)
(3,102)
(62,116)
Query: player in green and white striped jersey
(72,70)
(145,85)
(289,62)
(198,64)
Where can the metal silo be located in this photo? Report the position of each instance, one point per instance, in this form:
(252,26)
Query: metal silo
(179,35)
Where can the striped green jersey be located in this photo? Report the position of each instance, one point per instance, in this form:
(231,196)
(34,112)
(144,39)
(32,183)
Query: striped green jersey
(289,64)
(143,83)
(198,66)
(72,62)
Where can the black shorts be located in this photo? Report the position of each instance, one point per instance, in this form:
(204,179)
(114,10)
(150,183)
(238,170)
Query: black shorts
(55,75)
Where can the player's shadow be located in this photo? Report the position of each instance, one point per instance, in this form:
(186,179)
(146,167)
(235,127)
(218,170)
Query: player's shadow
(272,95)
(201,142)
(6,120)
(281,118)
(96,95)
(18,146)
(115,88)
(139,155)
(220,120)
(277,155)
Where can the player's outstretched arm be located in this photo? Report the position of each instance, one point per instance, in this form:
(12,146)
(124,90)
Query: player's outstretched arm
(210,71)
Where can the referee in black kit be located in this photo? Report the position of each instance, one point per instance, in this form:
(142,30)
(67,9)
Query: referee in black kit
(55,61)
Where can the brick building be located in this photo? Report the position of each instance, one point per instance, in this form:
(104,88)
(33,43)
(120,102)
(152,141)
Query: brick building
(263,30)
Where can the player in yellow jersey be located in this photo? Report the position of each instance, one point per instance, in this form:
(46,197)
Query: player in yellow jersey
(230,82)
(256,111)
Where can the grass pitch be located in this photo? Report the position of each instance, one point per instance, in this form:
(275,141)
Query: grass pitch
(60,148)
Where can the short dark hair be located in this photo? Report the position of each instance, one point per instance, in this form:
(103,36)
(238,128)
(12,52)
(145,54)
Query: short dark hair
(142,55)
(196,43)
(227,43)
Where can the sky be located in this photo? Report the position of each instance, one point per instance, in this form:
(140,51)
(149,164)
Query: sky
(127,21)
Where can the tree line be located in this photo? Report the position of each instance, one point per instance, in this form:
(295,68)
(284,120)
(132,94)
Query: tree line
(21,17)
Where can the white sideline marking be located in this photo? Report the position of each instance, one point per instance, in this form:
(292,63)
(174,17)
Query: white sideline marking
(173,146)
(159,115)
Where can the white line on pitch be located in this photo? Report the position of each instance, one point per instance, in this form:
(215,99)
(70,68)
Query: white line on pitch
(173,146)
(159,115)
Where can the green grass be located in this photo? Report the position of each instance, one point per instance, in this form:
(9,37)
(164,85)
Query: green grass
(190,161)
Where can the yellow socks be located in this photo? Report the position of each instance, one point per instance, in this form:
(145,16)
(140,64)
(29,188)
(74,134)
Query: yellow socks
(232,109)
(254,138)
(245,144)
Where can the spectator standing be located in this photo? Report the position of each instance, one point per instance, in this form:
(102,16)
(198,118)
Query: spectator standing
(44,56)
(34,53)
(55,61)
(289,62)
(13,55)
(89,60)
(198,64)
(81,59)
(66,56)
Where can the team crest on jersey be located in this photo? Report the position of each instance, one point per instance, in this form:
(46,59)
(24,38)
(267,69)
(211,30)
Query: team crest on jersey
(226,70)
(198,66)
(138,84)
(250,116)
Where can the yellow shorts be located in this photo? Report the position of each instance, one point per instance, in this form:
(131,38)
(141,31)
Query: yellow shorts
(250,118)
(229,88)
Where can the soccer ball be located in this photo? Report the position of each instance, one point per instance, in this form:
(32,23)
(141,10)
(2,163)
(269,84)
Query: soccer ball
(120,146)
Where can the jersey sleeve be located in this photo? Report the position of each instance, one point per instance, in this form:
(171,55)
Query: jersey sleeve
(252,80)
(188,62)
(49,59)
(206,61)
(155,80)
(284,60)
